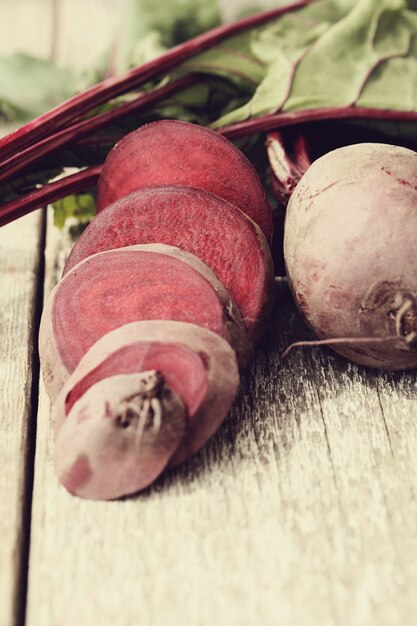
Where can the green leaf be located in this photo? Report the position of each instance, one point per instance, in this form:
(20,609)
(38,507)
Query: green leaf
(176,20)
(151,27)
(81,206)
(233,60)
(401,77)
(149,47)
(279,47)
(336,53)
(393,83)
(209,100)
(334,71)
(30,86)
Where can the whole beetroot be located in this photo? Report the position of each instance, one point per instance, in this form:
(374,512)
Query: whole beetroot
(350,250)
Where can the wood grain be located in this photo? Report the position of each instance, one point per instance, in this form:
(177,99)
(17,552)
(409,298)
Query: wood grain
(21,253)
(19,264)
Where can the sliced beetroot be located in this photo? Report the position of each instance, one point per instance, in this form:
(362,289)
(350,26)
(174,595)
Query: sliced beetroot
(170,152)
(119,436)
(97,454)
(209,227)
(187,379)
(113,288)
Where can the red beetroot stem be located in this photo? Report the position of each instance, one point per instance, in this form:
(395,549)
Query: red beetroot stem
(302,155)
(54,191)
(286,170)
(18,161)
(46,124)
(80,181)
(280,120)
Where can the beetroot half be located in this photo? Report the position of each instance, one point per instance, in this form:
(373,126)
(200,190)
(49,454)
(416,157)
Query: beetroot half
(116,287)
(211,228)
(146,394)
(170,152)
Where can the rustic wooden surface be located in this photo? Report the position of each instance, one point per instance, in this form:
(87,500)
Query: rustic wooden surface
(21,269)
(301,511)
(20,256)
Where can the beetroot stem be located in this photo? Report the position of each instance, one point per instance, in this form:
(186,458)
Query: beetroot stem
(18,161)
(76,182)
(281,120)
(302,155)
(286,170)
(110,88)
(49,193)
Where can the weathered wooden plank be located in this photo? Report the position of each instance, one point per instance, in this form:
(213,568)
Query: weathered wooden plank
(19,265)
(371,550)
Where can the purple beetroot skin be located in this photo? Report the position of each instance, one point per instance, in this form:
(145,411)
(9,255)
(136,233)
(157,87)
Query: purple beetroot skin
(138,401)
(171,152)
(350,249)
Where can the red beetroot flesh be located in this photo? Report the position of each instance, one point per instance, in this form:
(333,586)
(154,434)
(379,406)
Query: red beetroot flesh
(183,371)
(98,455)
(55,373)
(170,152)
(116,287)
(205,225)
(218,357)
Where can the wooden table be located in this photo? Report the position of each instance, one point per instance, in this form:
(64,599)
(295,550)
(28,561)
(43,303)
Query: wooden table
(301,511)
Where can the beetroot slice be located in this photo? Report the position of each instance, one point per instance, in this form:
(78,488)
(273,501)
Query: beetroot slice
(184,371)
(121,286)
(211,228)
(95,456)
(170,152)
(116,287)
(119,436)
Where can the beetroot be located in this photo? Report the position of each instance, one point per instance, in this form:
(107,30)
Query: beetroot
(113,288)
(350,247)
(119,436)
(205,225)
(138,400)
(170,152)
(141,356)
